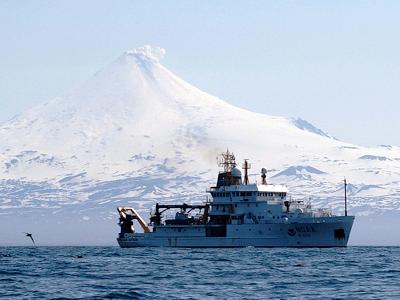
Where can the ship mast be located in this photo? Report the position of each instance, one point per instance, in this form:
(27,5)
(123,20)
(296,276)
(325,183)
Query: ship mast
(227,161)
(246,166)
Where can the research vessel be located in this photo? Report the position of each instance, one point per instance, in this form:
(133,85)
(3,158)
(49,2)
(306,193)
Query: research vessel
(238,214)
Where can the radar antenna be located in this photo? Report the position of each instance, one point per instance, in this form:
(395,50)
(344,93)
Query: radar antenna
(227,161)
(263,176)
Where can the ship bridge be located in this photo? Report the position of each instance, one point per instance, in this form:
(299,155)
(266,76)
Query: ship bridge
(231,188)
(249,192)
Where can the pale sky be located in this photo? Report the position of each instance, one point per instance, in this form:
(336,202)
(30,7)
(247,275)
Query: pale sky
(333,63)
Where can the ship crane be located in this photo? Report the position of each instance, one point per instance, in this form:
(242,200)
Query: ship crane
(127,214)
(161,208)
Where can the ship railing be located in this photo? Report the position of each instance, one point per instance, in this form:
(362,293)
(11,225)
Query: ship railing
(304,204)
(275,201)
(211,189)
(323,212)
(296,204)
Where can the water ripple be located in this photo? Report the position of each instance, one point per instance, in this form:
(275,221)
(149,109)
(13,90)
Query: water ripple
(248,273)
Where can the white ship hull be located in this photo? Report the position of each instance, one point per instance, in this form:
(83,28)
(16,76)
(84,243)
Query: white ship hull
(313,232)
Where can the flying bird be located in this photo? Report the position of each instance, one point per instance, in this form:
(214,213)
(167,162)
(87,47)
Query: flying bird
(30,235)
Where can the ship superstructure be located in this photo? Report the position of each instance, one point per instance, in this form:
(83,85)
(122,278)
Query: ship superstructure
(239,214)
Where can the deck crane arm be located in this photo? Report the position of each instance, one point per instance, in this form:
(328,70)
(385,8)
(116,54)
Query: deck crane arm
(124,211)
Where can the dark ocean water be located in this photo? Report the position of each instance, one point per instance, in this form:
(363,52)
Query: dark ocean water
(163,273)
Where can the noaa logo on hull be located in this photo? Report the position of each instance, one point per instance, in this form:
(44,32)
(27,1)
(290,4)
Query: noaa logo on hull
(291,232)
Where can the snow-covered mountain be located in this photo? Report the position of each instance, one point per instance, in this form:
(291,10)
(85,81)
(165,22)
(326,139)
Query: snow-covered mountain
(135,133)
